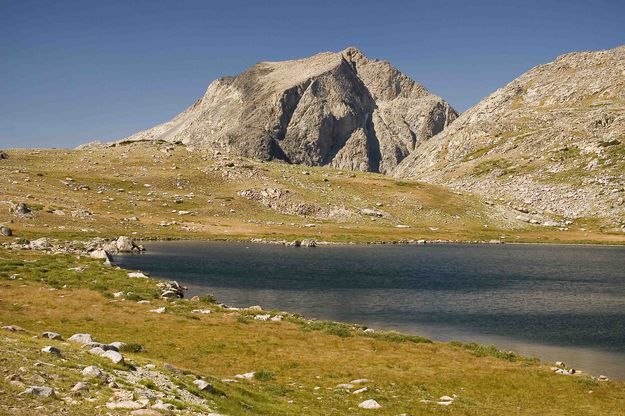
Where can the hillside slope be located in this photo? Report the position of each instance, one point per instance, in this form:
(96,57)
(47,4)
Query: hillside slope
(339,109)
(551,140)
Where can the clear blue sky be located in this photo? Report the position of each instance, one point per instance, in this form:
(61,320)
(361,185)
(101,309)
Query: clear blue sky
(73,71)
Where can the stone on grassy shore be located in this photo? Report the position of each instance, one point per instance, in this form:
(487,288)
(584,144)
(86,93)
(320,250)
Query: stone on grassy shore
(6,231)
(100,254)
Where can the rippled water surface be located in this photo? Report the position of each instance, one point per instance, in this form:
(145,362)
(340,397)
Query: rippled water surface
(553,302)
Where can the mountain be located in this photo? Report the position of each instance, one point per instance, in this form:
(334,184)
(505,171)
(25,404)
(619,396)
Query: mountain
(551,140)
(339,109)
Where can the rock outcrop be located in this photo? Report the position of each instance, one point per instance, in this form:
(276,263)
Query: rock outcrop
(551,140)
(338,109)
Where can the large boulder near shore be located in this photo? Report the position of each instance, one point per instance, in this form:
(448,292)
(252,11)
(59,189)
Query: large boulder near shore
(126,245)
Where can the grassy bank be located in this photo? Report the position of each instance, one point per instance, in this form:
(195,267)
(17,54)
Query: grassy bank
(298,363)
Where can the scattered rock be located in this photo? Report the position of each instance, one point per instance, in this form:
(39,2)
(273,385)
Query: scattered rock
(309,243)
(246,376)
(80,386)
(51,335)
(93,372)
(114,356)
(125,245)
(81,338)
(125,405)
(21,210)
(204,386)
(369,404)
(39,391)
(100,254)
(40,244)
(158,310)
(51,350)
(13,328)
(6,231)
(138,275)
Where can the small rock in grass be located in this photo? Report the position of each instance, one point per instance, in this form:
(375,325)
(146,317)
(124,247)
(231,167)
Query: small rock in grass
(158,310)
(97,351)
(359,381)
(92,371)
(80,386)
(204,386)
(165,407)
(114,356)
(146,412)
(39,391)
(125,405)
(81,338)
(51,335)
(13,328)
(362,390)
(346,386)
(246,376)
(117,345)
(138,275)
(201,311)
(51,350)
(369,404)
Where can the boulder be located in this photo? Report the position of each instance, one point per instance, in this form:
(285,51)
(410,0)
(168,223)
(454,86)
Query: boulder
(6,231)
(92,372)
(51,335)
(51,350)
(204,386)
(40,244)
(80,386)
(81,338)
(373,212)
(114,356)
(39,391)
(100,254)
(309,243)
(3,155)
(125,405)
(125,244)
(369,404)
(21,210)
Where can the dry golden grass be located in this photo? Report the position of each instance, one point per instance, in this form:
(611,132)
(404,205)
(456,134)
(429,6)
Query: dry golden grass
(298,359)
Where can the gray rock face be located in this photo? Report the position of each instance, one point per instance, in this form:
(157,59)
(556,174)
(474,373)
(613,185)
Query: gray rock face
(552,139)
(6,231)
(339,109)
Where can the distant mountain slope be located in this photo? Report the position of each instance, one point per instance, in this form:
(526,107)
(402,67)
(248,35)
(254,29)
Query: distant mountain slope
(552,139)
(338,109)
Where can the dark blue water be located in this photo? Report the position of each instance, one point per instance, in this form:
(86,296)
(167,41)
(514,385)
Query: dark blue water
(563,303)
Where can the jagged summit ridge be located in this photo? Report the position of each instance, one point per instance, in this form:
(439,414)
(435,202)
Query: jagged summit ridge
(335,108)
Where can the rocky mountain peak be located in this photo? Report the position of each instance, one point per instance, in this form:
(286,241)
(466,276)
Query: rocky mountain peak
(334,108)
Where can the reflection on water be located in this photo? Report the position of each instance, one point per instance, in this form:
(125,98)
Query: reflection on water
(554,302)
